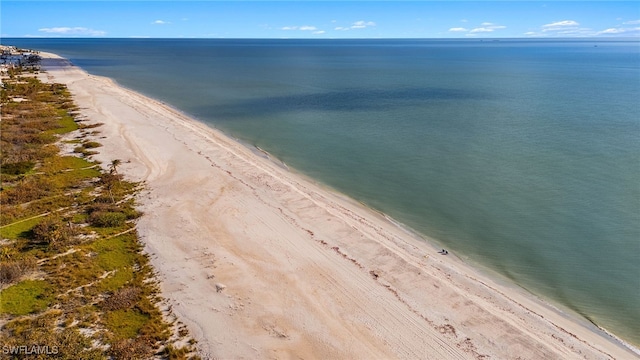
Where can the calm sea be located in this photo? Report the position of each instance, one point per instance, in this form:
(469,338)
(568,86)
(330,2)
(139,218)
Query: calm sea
(522,156)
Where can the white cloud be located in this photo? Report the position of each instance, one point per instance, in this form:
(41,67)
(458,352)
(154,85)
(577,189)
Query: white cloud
(356,25)
(481,30)
(571,28)
(493,26)
(319,32)
(487,27)
(632,22)
(612,31)
(464,20)
(160,22)
(300,28)
(77,31)
(619,30)
(362,24)
(566,28)
(560,25)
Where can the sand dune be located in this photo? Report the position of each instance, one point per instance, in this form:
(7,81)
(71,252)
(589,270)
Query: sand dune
(308,273)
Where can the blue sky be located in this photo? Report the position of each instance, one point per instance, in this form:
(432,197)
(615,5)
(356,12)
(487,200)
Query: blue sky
(319,19)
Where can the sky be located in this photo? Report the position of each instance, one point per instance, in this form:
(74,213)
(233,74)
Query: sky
(319,19)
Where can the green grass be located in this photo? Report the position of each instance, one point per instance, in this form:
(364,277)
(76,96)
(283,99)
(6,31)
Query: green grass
(60,163)
(115,253)
(72,177)
(125,324)
(73,270)
(117,280)
(43,205)
(19,230)
(80,218)
(67,124)
(108,231)
(26,297)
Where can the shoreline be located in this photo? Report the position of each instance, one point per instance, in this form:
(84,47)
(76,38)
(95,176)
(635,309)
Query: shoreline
(317,239)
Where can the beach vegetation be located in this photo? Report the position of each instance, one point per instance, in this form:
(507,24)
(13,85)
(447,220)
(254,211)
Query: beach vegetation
(138,348)
(53,232)
(114,165)
(72,270)
(20,229)
(69,343)
(12,270)
(107,218)
(84,148)
(125,323)
(91,144)
(26,297)
(66,123)
(17,168)
(175,353)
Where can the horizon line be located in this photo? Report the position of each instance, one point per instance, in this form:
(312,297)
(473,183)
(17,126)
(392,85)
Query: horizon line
(637,38)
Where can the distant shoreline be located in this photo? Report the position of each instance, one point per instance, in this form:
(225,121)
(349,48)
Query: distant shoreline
(8,40)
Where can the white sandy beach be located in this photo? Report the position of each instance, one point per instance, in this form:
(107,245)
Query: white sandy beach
(309,273)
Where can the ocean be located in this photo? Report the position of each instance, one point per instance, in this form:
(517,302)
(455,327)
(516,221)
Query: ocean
(522,157)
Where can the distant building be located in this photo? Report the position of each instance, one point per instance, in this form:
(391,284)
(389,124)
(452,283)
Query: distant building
(11,56)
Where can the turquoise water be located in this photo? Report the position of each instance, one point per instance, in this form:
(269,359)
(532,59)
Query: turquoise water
(519,155)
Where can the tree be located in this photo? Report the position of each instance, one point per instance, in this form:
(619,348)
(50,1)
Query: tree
(110,180)
(114,165)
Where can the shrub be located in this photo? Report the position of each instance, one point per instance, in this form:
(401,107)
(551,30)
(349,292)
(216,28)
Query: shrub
(17,168)
(68,343)
(27,190)
(110,179)
(53,232)
(173,353)
(131,213)
(138,348)
(91,144)
(103,199)
(123,298)
(107,219)
(11,271)
(103,205)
